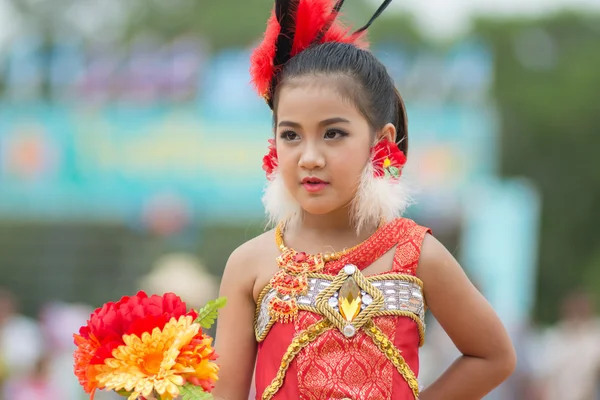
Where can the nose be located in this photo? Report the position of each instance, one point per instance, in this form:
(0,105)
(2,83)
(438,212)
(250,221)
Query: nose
(312,157)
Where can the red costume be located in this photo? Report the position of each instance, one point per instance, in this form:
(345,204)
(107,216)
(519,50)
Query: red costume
(316,357)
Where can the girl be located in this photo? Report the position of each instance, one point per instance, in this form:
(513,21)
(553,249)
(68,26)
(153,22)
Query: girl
(331,303)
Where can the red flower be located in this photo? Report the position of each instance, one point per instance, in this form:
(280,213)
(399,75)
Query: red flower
(388,160)
(270,160)
(130,315)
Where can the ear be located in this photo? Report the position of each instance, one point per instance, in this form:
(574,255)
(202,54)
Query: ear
(387,132)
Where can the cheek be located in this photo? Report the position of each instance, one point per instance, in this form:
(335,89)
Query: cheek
(288,166)
(286,160)
(349,167)
(350,160)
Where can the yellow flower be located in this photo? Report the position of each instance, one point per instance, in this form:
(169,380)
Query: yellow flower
(150,363)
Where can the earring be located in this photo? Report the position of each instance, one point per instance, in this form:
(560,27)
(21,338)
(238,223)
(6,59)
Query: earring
(270,160)
(388,160)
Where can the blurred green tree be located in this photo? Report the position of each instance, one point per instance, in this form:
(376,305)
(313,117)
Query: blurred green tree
(226,24)
(223,24)
(546,89)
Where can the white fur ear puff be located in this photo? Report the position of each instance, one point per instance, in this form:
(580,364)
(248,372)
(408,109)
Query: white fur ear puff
(378,198)
(375,199)
(280,206)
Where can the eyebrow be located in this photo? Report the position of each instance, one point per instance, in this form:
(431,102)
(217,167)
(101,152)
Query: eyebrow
(325,122)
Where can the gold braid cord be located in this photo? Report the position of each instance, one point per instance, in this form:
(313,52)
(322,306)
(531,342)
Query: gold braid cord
(393,354)
(301,340)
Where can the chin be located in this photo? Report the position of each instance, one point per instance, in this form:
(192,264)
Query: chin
(320,206)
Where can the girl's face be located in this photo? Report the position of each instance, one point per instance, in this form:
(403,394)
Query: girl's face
(323,144)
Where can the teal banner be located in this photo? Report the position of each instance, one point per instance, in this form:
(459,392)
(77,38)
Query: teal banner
(76,162)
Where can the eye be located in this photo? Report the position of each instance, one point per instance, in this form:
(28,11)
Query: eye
(335,134)
(289,135)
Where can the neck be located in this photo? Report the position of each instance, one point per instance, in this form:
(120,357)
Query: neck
(337,221)
(326,232)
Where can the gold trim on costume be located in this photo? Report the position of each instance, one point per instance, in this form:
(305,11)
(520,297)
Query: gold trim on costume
(393,354)
(301,340)
(261,332)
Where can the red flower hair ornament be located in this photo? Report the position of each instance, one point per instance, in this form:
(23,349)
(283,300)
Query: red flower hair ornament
(387,159)
(294,26)
(270,162)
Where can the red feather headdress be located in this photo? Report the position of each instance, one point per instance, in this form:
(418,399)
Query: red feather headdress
(295,25)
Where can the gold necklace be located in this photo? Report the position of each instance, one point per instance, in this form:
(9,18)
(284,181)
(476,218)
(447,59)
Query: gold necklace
(327,257)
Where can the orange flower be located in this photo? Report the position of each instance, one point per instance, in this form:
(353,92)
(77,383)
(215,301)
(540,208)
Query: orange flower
(198,355)
(85,372)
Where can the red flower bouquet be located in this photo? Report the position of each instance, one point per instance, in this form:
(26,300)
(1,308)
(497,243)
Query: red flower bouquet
(144,346)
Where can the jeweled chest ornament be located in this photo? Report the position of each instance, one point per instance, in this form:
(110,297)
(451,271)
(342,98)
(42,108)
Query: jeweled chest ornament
(350,301)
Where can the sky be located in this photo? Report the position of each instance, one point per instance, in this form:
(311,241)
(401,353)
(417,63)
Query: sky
(437,18)
(7,22)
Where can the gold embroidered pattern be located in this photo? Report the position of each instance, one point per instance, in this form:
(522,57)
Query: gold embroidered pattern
(393,354)
(301,340)
(334,366)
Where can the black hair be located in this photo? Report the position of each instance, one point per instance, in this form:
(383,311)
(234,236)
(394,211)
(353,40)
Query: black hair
(370,87)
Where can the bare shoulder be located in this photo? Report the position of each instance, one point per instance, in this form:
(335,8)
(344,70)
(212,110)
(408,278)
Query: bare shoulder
(248,261)
(250,250)
(256,245)
(441,272)
(434,255)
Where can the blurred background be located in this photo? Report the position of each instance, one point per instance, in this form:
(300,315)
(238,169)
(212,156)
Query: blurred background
(130,158)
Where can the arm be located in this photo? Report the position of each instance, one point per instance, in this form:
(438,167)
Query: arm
(488,357)
(235,342)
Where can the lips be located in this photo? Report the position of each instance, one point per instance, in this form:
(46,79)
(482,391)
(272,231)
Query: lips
(313,184)
(313,180)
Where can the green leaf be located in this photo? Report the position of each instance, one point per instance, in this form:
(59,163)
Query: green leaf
(193,392)
(123,393)
(394,171)
(208,314)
